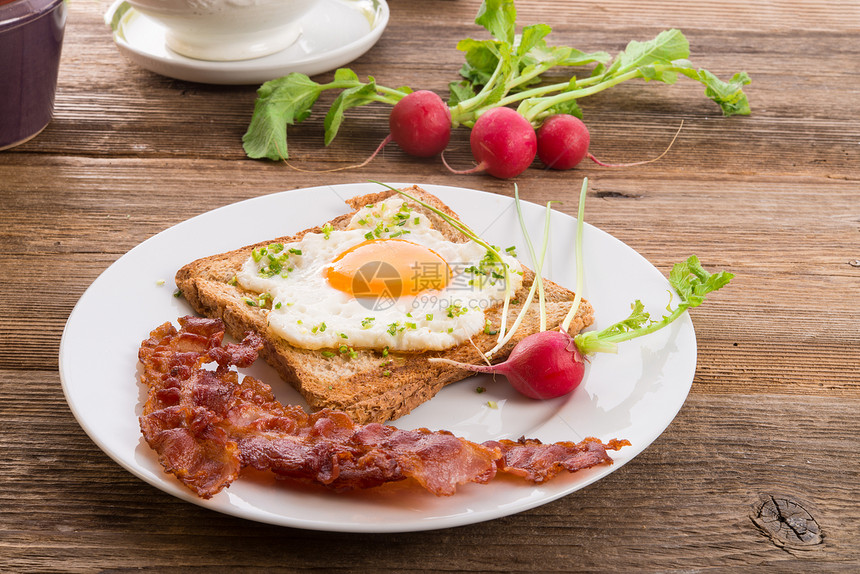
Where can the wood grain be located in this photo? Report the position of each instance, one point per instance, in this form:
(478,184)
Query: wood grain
(773,197)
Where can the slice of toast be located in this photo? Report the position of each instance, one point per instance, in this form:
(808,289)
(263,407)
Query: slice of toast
(368,386)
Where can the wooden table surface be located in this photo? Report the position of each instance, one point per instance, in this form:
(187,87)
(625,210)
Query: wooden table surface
(772,418)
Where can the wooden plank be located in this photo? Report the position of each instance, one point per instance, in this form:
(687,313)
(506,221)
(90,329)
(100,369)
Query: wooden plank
(71,502)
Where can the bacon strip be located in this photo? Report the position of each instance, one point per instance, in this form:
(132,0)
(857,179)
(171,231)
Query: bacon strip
(538,462)
(206,425)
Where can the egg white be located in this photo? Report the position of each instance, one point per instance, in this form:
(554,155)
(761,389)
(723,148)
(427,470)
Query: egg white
(308,313)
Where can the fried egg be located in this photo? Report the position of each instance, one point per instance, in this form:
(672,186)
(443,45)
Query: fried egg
(388,280)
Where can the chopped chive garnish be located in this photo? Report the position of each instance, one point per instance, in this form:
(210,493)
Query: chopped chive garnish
(488,330)
(456,310)
(327,354)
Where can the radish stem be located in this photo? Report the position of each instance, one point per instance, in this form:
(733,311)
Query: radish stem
(538,264)
(580,266)
(530,297)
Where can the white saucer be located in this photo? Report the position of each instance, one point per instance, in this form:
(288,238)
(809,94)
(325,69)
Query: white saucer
(334,33)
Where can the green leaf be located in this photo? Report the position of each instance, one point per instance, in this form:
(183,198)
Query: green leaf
(482,57)
(569,107)
(563,56)
(281,102)
(460,92)
(579,58)
(345,75)
(531,37)
(637,318)
(348,98)
(661,75)
(729,95)
(499,17)
(693,282)
(669,45)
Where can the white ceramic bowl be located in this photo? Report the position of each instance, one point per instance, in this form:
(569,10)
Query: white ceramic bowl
(222,30)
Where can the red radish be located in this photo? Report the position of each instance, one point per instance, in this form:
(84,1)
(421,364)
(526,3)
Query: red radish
(562,143)
(420,123)
(503,143)
(543,365)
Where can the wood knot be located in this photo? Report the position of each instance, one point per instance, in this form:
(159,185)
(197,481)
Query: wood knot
(787,521)
(613,194)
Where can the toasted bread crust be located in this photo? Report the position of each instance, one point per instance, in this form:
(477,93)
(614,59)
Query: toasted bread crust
(357,385)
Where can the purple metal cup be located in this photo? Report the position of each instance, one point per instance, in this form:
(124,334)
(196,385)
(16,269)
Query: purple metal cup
(31,38)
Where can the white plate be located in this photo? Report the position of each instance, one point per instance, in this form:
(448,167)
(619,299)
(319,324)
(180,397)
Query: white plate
(334,33)
(634,394)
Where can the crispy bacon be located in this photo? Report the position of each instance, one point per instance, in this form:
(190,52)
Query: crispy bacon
(206,425)
(538,462)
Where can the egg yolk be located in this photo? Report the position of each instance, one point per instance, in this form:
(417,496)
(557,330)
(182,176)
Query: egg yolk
(387,267)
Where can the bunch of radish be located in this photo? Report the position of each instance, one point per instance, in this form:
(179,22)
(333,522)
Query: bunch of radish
(515,114)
